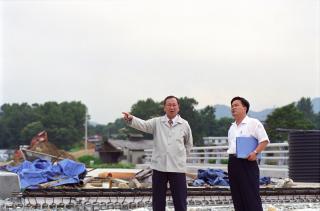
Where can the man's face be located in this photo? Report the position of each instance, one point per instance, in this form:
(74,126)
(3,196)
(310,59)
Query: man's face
(237,109)
(171,107)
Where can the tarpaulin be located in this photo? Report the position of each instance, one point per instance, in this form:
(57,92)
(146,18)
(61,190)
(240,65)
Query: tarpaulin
(218,177)
(40,171)
(211,177)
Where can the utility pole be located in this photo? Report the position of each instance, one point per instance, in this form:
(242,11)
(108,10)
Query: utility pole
(86,131)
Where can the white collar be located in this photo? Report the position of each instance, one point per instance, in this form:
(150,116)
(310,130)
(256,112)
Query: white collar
(244,121)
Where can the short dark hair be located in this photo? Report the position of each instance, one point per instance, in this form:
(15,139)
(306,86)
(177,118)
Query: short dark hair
(243,101)
(169,97)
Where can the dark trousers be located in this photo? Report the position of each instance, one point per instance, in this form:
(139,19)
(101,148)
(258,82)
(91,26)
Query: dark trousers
(178,187)
(244,184)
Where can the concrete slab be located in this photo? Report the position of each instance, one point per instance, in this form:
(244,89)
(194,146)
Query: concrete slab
(96,172)
(9,182)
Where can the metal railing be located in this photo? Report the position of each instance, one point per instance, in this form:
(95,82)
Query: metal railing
(276,154)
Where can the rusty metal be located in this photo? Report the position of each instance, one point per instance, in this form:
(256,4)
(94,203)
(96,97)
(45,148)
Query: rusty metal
(148,192)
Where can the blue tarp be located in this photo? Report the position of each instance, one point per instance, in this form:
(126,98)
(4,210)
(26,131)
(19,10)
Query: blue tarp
(218,177)
(32,174)
(211,177)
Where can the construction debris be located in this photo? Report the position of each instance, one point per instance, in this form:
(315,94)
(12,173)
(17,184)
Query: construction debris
(118,175)
(40,143)
(143,174)
(40,147)
(134,183)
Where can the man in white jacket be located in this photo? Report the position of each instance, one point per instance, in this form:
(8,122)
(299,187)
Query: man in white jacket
(172,142)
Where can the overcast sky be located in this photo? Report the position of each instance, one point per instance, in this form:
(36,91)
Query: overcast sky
(109,54)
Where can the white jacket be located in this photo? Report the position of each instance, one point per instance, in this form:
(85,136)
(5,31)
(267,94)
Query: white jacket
(171,144)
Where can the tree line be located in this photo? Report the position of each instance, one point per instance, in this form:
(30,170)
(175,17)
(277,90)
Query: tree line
(203,122)
(64,121)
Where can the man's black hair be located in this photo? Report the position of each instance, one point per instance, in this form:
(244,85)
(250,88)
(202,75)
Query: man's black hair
(243,101)
(169,97)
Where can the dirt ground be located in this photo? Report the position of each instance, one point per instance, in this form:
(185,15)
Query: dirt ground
(89,151)
(82,152)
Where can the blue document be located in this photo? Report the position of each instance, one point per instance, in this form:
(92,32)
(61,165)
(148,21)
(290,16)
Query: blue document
(246,145)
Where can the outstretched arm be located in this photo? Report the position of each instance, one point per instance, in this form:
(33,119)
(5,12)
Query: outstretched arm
(139,124)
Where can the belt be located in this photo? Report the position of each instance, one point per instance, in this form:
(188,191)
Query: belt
(232,155)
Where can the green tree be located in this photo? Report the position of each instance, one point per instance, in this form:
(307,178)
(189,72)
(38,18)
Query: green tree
(222,126)
(4,143)
(146,109)
(305,106)
(207,123)
(98,129)
(64,138)
(64,123)
(13,119)
(189,113)
(202,122)
(288,117)
(316,121)
(113,128)
(31,129)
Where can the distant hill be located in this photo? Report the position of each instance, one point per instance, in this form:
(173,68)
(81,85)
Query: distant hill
(92,123)
(224,111)
(261,115)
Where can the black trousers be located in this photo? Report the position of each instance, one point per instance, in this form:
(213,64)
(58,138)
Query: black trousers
(178,187)
(244,184)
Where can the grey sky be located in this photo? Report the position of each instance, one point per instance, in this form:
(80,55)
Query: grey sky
(111,53)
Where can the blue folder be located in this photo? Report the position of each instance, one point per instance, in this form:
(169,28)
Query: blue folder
(246,145)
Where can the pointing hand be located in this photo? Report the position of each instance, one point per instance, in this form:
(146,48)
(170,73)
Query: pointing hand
(127,116)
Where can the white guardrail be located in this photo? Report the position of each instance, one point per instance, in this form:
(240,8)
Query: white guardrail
(276,154)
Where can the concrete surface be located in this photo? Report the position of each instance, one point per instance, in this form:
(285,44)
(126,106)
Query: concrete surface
(9,182)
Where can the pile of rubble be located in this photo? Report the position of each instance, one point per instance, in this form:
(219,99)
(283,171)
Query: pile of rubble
(108,179)
(40,147)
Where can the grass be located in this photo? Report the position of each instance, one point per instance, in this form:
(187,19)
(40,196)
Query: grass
(213,161)
(77,147)
(114,165)
(94,162)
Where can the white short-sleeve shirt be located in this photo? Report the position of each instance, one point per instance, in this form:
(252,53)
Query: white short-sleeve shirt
(248,127)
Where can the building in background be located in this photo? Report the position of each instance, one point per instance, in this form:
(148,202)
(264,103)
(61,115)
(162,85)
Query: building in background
(132,151)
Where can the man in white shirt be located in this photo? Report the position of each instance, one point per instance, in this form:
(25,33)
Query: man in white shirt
(172,142)
(244,174)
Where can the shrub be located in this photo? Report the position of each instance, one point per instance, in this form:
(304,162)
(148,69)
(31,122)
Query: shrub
(223,161)
(212,161)
(114,165)
(87,158)
(97,163)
